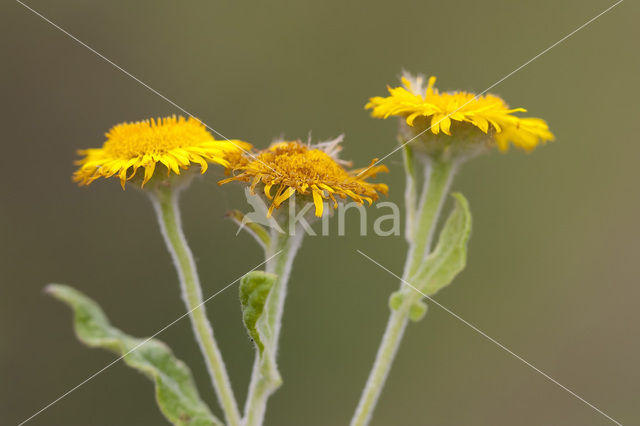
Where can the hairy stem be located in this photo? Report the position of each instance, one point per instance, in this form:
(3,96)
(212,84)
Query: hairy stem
(166,206)
(438,177)
(410,193)
(264,382)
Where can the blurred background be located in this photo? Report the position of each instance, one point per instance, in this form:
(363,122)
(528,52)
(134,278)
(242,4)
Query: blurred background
(552,270)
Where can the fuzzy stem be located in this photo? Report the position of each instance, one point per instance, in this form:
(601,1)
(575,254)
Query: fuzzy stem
(410,193)
(264,382)
(438,175)
(165,202)
(386,353)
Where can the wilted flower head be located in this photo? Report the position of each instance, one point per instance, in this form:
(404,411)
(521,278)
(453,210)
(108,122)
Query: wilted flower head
(457,119)
(312,171)
(175,142)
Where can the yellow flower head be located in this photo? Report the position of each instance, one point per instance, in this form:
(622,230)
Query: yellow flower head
(456,113)
(296,168)
(175,142)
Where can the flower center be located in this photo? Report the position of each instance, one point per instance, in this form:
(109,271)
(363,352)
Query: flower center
(129,140)
(299,164)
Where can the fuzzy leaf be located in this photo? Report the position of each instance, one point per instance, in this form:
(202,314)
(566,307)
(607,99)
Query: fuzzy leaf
(254,289)
(450,254)
(417,310)
(176,393)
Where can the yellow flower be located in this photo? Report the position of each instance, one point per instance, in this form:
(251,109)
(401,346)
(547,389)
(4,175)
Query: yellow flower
(295,168)
(175,142)
(456,111)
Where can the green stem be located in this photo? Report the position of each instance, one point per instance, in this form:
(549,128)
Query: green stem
(166,206)
(410,193)
(438,175)
(265,379)
(386,353)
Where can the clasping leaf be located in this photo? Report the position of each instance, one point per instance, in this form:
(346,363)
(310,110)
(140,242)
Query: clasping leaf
(255,288)
(450,255)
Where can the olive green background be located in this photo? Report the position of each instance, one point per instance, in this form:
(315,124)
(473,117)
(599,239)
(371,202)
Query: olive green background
(552,270)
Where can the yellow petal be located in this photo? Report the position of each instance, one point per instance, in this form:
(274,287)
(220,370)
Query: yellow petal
(267,190)
(318,201)
(148,172)
(284,196)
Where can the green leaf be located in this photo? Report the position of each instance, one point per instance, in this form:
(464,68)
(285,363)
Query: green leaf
(450,255)
(176,393)
(417,309)
(254,290)
(396,299)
